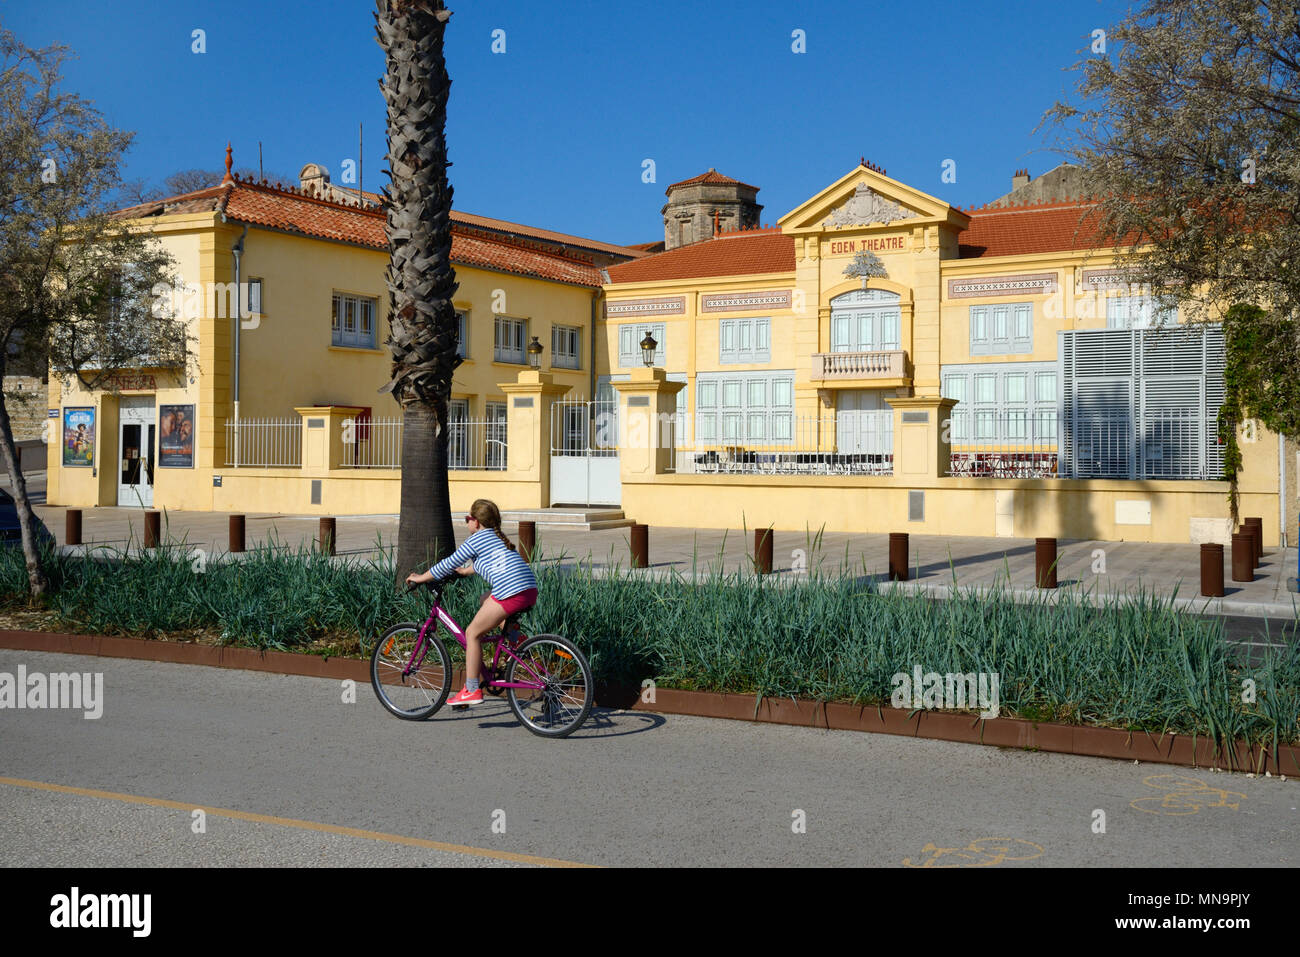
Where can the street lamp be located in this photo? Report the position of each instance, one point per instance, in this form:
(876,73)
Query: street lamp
(648,347)
(535,353)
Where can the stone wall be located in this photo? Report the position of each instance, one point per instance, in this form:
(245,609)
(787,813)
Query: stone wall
(25,397)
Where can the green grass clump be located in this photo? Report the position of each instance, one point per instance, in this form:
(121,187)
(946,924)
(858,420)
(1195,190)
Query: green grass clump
(1135,663)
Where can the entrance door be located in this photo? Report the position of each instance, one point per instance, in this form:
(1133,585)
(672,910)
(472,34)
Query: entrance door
(136,442)
(859,421)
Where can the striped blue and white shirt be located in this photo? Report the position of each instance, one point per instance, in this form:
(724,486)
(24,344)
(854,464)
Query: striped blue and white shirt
(504,570)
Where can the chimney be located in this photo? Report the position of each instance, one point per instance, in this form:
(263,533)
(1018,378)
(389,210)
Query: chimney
(1020,179)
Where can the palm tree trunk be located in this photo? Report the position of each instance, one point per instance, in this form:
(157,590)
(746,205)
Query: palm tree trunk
(421,281)
(426,504)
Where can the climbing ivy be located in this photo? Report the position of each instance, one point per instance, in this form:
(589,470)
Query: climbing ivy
(1260,381)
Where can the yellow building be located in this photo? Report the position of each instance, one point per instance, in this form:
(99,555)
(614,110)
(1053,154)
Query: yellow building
(810,348)
(312,323)
(877,361)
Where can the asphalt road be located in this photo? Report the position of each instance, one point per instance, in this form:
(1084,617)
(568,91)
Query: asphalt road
(287,773)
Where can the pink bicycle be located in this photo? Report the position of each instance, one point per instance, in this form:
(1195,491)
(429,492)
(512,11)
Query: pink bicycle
(545,678)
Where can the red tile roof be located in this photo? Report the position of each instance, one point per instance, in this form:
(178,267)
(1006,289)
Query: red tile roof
(1017,230)
(486,222)
(293,211)
(731,254)
(712,176)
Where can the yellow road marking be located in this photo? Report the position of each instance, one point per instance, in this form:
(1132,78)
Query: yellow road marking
(985,852)
(293,822)
(1185,795)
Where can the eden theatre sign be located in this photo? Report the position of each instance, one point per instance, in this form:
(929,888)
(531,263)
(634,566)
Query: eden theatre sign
(871,244)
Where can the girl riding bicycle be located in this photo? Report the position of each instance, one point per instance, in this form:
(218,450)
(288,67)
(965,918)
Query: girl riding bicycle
(514,587)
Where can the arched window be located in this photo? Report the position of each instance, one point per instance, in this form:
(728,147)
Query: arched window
(865,321)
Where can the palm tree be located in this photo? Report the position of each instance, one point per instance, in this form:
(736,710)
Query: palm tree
(421,281)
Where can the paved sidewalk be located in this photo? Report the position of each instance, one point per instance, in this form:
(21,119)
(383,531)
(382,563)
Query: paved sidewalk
(1099,569)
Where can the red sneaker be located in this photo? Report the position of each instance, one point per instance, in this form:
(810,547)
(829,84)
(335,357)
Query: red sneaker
(466,697)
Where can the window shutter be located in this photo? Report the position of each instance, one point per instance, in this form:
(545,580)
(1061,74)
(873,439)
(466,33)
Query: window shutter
(889,331)
(840,334)
(1023,328)
(1000,324)
(979,345)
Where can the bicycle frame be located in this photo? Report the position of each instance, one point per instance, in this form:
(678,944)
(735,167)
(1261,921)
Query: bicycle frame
(438,613)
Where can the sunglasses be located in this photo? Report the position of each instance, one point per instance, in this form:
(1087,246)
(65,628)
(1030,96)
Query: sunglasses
(467,519)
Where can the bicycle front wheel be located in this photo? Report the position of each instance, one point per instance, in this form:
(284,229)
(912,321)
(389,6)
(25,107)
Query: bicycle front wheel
(415,694)
(563,698)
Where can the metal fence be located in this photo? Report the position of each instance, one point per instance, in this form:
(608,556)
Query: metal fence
(471,444)
(1003,443)
(1158,444)
(264,443)
(859,443)
(582,427)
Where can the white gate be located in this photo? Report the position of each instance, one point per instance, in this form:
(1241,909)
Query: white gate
(584,453)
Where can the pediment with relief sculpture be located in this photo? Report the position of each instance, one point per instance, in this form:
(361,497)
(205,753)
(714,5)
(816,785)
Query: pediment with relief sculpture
(867,199)
(865,208)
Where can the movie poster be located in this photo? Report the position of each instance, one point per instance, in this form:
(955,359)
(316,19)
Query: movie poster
(78,438)
(176,436)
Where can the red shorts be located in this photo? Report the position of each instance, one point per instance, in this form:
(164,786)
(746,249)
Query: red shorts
(517,603)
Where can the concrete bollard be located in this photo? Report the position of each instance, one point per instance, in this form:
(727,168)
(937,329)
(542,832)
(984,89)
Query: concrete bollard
(640,542)
(72,527)
(763,551)
(1045,562)
(152,529)
(236,533)
(1243,562)
(1211,570)
(898,556)
(328,540)
(527,540)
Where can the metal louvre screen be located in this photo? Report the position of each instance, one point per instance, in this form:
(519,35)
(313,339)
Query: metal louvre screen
(1141,403)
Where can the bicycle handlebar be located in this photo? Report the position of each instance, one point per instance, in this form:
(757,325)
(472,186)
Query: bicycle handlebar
(437,584)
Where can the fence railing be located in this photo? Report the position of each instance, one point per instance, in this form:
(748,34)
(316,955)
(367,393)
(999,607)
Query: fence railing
(264,443)
(1157,444)
(858,443)
(1003,443)
(582,427)
(471,444)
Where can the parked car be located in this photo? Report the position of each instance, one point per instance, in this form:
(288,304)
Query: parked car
(10,531)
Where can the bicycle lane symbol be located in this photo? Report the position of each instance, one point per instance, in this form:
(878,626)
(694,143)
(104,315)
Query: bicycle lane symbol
(984,852)
(1183,796)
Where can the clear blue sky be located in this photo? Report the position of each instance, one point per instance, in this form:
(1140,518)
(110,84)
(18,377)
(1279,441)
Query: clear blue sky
(553,132)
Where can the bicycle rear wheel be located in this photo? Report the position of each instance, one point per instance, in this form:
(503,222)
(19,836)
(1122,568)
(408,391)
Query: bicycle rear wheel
(418,695)
(559,707)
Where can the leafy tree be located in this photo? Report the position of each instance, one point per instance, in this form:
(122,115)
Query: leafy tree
(137,191)
(1188,129)
(421,281)
(75,283)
